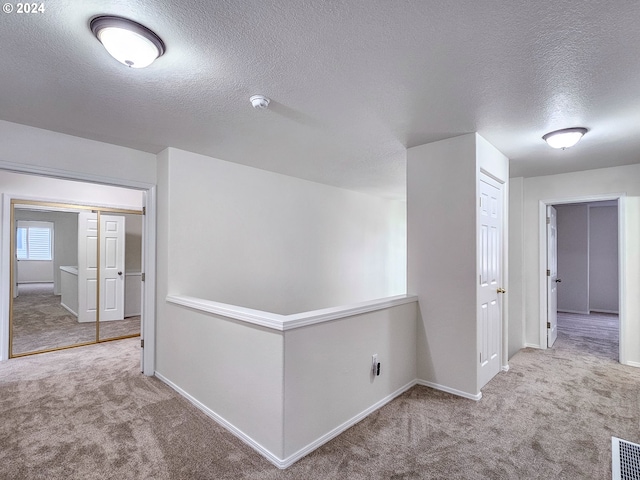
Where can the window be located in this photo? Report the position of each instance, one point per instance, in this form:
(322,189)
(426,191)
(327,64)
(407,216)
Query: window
(33,240)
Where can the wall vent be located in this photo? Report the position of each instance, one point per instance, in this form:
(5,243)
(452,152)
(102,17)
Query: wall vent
(625,460)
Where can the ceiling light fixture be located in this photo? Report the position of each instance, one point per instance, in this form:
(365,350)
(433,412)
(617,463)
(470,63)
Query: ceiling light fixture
(127,41)
(259,101)
(565,138)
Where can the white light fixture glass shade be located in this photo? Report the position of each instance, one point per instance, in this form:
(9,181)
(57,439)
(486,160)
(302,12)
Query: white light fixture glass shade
(564,138)
(128,42)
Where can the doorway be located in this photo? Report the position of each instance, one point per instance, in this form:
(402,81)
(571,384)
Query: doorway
(62,186)
(589,269)
(69,284)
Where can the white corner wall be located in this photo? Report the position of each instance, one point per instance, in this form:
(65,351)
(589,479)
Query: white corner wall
(614,181)
(442,183)
(231,370)
(441,225)
(270,242)
(328,379)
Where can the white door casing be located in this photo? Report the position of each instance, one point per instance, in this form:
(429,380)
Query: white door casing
(490,232)
(112,248)
(552,276)
(87,266)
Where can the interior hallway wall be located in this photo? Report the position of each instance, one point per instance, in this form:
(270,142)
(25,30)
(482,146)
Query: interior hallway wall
(266,241)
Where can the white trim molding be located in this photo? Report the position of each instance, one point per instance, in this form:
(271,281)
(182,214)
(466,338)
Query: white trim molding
(450,390)
(283,323)
(291,459)
(224,423)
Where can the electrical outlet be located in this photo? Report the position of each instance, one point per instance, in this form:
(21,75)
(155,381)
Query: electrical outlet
(374,364)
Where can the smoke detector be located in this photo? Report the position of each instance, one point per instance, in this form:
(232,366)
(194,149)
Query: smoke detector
(259,101)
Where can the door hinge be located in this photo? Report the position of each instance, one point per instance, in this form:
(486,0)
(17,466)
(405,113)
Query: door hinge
(548,273)
(142,343)
(144,210)
(548,220)
(548,324)
(143,277)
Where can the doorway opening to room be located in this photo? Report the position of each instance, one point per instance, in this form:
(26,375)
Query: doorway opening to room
(76,275)
(583,276)
(73,190)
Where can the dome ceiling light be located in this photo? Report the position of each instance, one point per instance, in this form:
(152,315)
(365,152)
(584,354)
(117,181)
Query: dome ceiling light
(130,43)
(565,138)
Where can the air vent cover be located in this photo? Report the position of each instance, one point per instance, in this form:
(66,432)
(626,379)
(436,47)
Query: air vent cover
(625,460)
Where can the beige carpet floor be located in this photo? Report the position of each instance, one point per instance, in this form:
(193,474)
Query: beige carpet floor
(41,323)
(87,413)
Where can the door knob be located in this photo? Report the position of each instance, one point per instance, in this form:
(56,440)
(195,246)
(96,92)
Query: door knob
(558,280)
(502,290)
(119,273)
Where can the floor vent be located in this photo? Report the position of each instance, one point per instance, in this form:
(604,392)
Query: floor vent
(625,460)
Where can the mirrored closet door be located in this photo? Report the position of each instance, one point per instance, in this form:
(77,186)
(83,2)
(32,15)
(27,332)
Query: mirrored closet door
(76,276)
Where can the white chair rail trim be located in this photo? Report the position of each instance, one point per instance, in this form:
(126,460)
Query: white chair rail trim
(288,322)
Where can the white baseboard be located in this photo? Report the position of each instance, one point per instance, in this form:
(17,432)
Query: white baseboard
(217,418)
(578,312)
(532,345)
(66,307)
(505,368)
(290,460)
(605,311)
(632,364)
(453,391)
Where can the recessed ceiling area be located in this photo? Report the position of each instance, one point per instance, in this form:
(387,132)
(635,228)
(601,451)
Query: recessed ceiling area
(351,84)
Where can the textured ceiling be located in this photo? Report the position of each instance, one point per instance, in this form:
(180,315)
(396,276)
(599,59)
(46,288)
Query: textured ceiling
(353,83)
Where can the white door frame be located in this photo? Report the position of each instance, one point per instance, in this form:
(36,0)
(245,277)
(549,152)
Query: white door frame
(542,270)
(149,201)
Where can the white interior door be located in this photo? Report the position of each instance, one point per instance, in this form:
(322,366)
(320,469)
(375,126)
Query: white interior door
(552,276)
(112,238)
(87,266)
(490,231)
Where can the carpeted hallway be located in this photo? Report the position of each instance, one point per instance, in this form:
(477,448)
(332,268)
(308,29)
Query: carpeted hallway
(87,413)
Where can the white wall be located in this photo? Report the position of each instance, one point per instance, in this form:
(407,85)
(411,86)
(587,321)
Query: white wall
(516,262)
(442,262)
(603,259)
(605,182)
(238,235)
(262,240)
(573,258)
(233,369)
(441,191)
(328,378)
(21,144)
